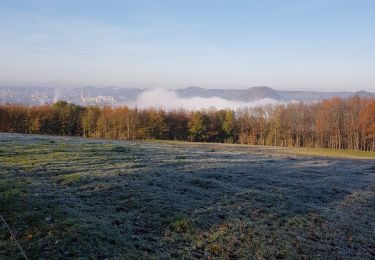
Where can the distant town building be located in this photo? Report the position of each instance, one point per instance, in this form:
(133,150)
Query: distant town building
(97,100)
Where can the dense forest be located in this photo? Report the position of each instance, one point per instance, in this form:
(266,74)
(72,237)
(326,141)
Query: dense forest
(335,123)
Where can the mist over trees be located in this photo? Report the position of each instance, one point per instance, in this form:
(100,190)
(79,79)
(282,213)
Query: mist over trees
(335,123)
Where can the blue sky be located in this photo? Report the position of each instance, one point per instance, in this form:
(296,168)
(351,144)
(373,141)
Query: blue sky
(284,44)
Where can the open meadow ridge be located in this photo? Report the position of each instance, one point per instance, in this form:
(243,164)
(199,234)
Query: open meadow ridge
(67,197)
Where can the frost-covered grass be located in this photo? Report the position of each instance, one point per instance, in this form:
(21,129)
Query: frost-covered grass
(72,197)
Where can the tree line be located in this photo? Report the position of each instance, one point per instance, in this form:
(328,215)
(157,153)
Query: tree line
(335,123)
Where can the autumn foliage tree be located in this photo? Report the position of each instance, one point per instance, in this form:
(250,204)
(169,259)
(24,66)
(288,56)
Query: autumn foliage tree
(367,125)
(198,126)
(335,123)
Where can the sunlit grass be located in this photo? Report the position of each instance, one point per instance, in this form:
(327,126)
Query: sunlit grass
(334,153)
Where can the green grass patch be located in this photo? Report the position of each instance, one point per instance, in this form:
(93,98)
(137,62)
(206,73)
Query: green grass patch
(179,224)
(69,179)
(10,191)
(181,157)
(120,149)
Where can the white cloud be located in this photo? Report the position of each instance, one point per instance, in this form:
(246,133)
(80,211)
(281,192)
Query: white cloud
(168,99)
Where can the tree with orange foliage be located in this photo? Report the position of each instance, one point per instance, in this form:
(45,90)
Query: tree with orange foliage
(4,119)
(330,124)
(367,122)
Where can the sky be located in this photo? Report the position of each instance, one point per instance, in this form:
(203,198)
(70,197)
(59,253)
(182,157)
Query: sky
(289,44)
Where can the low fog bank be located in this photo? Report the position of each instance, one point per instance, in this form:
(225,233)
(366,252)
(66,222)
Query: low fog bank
(168,99)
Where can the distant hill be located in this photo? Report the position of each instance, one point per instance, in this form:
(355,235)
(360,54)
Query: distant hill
(250,94)
(122,96)
(256,93)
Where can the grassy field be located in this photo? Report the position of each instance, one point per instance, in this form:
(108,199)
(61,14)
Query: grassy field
(321,152)
(72,197)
